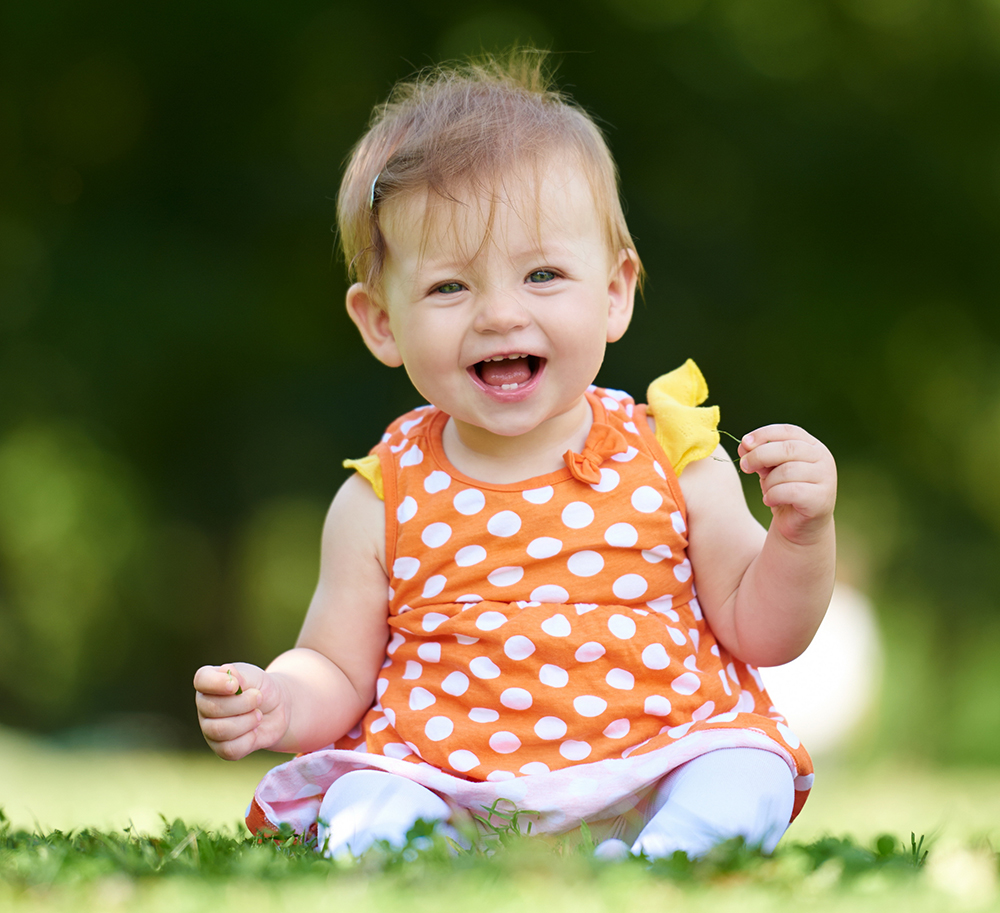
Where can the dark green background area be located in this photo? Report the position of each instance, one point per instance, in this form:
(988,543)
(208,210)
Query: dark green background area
(814,186)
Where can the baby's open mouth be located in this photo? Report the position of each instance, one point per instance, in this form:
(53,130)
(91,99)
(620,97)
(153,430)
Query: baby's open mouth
(508,372)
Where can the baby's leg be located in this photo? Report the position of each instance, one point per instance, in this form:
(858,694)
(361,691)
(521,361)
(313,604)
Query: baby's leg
(730,792)
(368,805)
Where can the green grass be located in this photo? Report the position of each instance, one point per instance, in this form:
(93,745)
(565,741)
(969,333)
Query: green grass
(92,869)
(99,830)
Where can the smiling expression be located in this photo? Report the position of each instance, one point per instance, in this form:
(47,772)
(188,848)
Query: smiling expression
(500,321)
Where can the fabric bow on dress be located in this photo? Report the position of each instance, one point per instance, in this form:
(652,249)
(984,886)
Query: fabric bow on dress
(602,442)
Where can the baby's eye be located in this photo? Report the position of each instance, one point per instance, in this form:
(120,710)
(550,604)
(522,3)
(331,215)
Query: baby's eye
(449,288)
(541,275)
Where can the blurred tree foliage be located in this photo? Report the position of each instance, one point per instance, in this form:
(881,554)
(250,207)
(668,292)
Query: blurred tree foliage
(815,190)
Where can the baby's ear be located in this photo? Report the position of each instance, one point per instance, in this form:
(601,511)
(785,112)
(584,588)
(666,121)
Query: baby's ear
(372,322)
(621,294)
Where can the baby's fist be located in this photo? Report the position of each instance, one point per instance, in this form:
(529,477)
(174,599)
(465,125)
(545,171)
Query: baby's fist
(798,478)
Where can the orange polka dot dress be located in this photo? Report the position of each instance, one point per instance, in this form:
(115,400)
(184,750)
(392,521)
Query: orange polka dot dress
(547,646)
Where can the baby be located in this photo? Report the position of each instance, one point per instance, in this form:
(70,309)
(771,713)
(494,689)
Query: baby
(506,607)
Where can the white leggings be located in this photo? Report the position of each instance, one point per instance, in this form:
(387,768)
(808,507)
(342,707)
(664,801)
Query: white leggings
(731,792)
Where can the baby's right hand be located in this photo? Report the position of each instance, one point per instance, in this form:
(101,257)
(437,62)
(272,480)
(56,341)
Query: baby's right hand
(239,709)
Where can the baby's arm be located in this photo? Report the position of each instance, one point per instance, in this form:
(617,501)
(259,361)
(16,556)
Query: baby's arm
(311,695)
(764,594)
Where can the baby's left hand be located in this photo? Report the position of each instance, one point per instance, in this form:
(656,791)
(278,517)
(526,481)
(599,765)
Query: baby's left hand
(798,479)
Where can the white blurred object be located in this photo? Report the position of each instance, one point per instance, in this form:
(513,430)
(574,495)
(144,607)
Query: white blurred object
(827,691)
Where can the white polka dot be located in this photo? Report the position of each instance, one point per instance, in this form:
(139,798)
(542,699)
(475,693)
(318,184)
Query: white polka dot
(407,426)
(655,657)
(582,608)
(395,642)
(534,767)
(465,640)
(438,728)
(544,547)
(557,626)
(470,555)
(687,683)
(490,621)
(657,705)
(657,553)
(430,652)
(630,427)
(518,647)
(505,576)
(407,509)
(585,564)
(456,683)
(791,739)
(589,705)
(609,481)
(498,776)
(678,732)
(629,586)
(620,679)
(390,715)
(659,470)
(676,636)
(515,698)
(549,593)
(683,571)
(610,404)
(574,751)
(506,523)
(470,597)
(483,715)
(421,698)
(550,727)
(646,500)
(462,760)
(413,670)
(677,520)
(618,729)
(621,626)
(577,515)
(433,620)
(704,711)
(484,667)
(504,742)
(663,604)
(433,586)
(435,534)
(621,535)
(405,568)
(379,724)
(397,750)
(380,687)
(469,501)
(625,457)
(553,676)
(589,651)
(413,457)
(538,495)
(436,481)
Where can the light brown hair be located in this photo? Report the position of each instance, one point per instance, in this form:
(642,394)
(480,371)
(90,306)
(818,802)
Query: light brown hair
(468,126)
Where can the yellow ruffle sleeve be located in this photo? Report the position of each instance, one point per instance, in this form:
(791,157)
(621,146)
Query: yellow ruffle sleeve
(369,467)
(686,430)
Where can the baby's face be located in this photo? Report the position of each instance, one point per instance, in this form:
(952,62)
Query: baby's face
(503,325)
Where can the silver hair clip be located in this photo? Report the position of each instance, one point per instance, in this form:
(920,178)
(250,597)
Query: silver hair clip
(371,193)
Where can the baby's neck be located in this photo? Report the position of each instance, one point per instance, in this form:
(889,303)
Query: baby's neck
(503,460)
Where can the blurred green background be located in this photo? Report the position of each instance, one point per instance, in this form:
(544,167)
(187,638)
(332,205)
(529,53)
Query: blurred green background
(814,186)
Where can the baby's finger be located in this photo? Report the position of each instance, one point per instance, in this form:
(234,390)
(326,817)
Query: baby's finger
(769,454)
(214,706)
(230,728)
(215,680)
(778,432)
